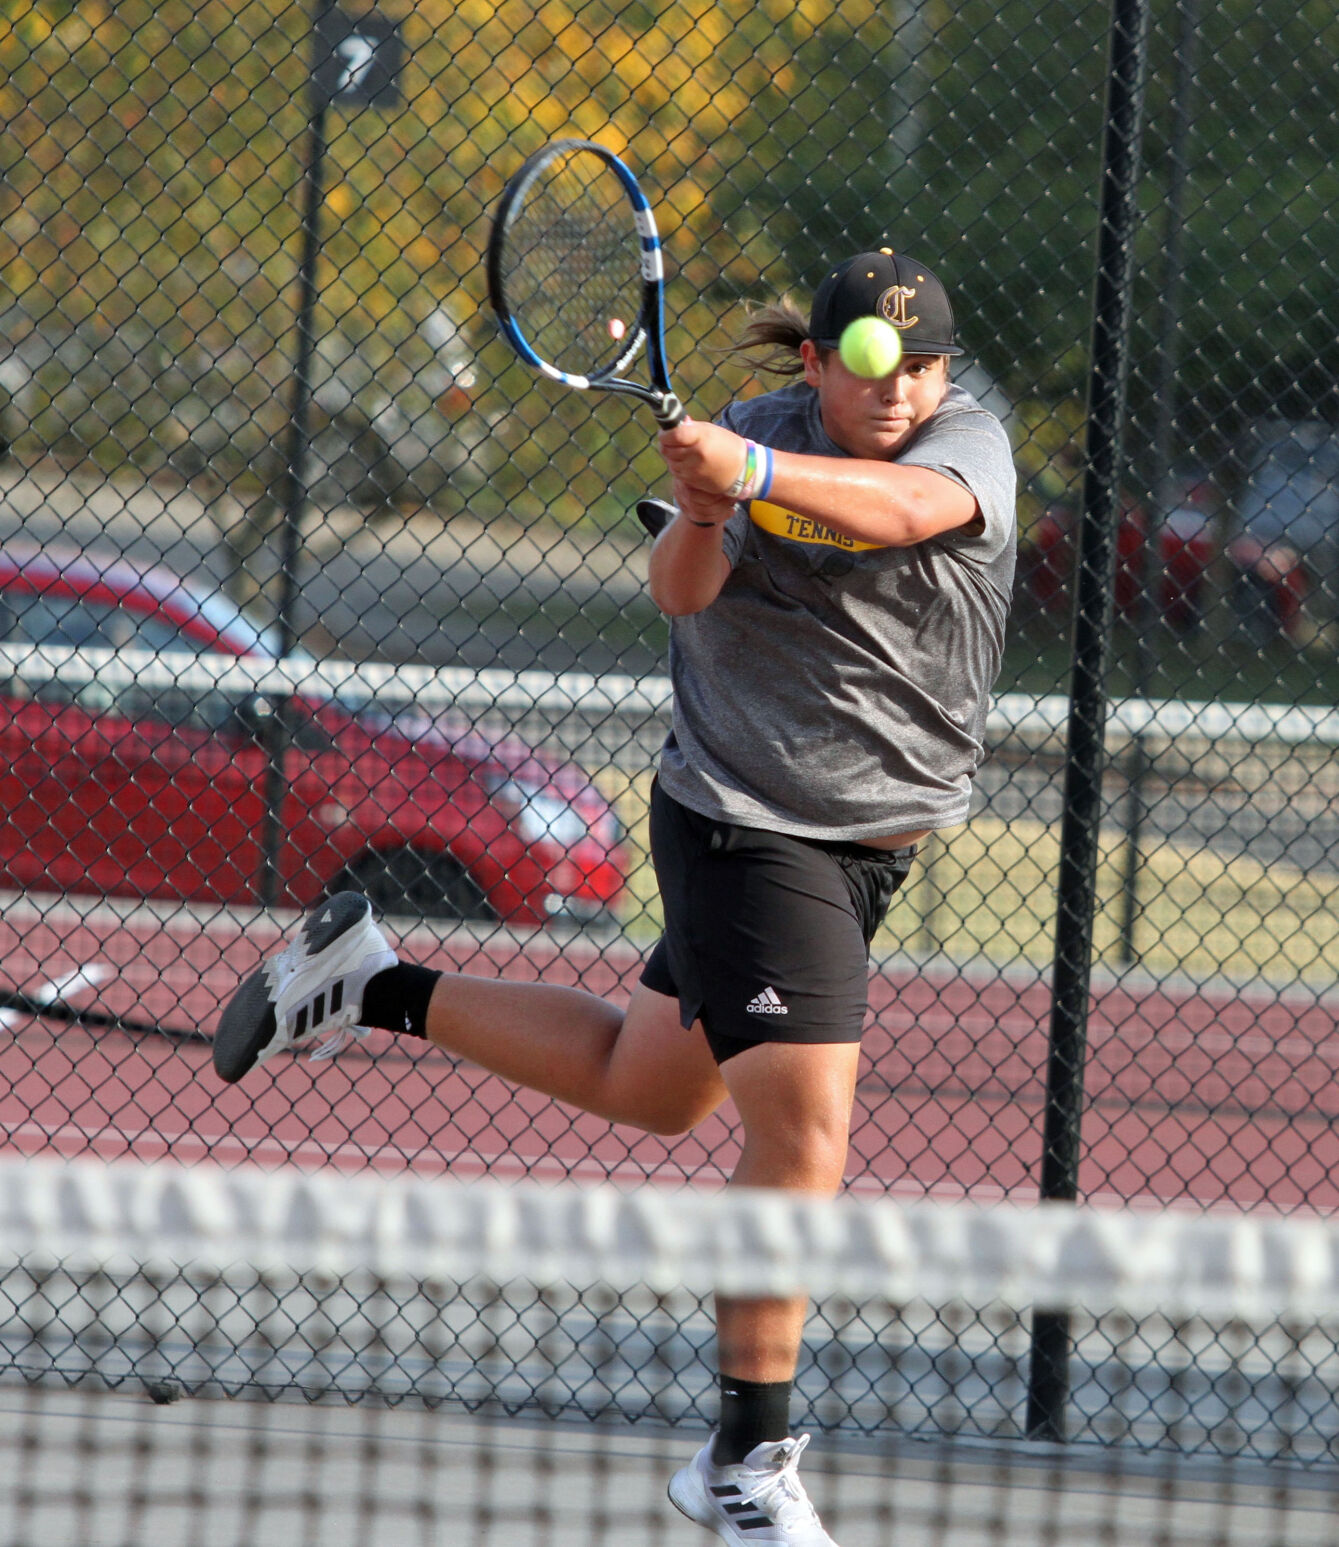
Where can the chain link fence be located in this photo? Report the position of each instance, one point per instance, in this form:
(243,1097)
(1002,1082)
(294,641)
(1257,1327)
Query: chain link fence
(306,583)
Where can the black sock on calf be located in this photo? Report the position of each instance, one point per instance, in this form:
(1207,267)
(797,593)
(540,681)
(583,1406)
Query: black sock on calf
(751,1412)
(397,999)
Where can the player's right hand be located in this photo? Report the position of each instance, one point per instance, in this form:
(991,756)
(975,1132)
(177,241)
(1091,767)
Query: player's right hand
(702,456)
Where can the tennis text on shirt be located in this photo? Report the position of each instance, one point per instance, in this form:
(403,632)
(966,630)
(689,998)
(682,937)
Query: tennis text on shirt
(781,522)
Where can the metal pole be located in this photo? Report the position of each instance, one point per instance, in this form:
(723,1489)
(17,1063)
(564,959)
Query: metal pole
(1048,1389)
(1164,408)
(277,732)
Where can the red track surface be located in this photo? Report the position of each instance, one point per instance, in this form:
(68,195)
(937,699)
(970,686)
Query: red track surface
(1195,1096)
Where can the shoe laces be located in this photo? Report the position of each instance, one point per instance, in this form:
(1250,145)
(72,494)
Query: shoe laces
(334,1042)
(779,1492)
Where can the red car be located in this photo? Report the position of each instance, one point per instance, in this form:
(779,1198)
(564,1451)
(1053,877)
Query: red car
(157,787)
(1178,556)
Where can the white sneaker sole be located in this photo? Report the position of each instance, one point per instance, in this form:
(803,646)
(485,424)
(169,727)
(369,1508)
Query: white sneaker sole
(685,1493)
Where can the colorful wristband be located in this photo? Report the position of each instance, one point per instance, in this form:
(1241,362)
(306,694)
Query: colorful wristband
(768,467)
(755,477)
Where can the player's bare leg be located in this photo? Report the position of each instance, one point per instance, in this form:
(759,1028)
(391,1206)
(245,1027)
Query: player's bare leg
(794,1101)
(637,1066)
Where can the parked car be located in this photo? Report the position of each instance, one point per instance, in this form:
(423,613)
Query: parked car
(1174,563)
(1284,547)
(158,788)
(60,595)
(1187,546)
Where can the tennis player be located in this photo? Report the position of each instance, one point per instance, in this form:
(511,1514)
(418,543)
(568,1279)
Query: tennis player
(838,575)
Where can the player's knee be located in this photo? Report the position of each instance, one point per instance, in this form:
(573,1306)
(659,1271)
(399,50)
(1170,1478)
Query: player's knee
(677,1113)
(805,1157)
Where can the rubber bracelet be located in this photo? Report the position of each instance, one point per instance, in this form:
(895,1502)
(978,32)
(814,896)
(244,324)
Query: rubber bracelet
(768,468)
(755,477)
(741,488)
(711,524)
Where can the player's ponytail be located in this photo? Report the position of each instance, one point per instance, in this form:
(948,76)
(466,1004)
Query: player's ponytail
(771,339)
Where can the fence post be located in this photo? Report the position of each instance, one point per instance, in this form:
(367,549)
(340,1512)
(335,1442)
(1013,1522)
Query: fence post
(1169,353)
(1048,1384)
(355,62)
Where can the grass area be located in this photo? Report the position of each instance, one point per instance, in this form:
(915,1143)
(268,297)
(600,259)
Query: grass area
(1217,663)
(988,890)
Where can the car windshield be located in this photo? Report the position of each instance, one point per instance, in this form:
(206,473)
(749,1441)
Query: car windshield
(30,617)
(236,626)
(1292,494)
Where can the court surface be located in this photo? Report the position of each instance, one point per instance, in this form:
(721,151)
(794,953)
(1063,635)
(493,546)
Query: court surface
(116,1468)
(1207,1094)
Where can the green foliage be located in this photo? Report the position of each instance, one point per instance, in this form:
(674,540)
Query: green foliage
(153,154)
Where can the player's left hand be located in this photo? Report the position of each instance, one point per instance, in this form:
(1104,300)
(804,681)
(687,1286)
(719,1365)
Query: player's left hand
(701,507)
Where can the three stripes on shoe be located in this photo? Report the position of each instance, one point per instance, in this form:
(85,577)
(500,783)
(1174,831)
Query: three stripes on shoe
(317,1009)
(746,1515)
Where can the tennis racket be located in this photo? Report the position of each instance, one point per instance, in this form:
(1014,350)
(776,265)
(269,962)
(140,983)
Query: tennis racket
(48,1004)
(577,277)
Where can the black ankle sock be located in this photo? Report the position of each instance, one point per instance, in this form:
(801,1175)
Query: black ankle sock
(397,999)
(751,1412)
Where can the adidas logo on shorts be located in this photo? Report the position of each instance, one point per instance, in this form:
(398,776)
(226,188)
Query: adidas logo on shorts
(766,1003)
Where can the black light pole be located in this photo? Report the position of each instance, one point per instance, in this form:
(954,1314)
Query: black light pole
(297,452)
(1048,1388)
(355,63)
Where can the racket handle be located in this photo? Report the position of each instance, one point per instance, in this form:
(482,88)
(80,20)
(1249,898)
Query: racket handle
(670,412)
(655,515)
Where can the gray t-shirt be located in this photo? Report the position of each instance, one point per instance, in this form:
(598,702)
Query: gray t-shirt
(837,689)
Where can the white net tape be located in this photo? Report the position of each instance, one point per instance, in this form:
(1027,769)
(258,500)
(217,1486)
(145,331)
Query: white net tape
(106,1215)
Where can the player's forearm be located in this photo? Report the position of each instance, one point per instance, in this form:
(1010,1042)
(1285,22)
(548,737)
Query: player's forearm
(870,501)
(688,566)
(873,502)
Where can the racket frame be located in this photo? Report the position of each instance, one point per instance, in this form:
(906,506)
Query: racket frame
(39,1006)
(649,329)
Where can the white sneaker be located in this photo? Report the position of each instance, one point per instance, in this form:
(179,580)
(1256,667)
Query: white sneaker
(761,1501)
(310,991)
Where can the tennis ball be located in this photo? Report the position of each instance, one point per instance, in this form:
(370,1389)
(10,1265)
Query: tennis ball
(870,347)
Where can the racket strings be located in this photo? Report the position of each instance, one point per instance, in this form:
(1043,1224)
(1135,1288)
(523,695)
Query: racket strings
(572,265)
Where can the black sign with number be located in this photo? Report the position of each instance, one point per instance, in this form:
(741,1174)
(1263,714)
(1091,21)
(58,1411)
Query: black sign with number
(358,60)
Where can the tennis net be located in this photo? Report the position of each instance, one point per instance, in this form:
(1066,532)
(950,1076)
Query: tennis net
(174,1345)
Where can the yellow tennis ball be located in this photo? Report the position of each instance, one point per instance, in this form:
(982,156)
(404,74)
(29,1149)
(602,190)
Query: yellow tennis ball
(870,347)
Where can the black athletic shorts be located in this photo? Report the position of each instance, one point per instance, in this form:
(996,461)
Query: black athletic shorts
(766,936)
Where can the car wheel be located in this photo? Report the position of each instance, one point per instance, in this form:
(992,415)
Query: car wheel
(429,886)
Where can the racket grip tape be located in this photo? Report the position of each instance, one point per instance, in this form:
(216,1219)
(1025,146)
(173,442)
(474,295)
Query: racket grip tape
(670,412)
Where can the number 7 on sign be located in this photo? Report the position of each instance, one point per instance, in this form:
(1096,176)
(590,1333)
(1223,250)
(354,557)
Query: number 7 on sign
(357,54)
(358,62)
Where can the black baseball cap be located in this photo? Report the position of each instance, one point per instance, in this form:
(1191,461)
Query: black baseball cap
(890,285)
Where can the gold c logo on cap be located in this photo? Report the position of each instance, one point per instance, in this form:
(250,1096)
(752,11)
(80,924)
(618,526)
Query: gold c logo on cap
(892,306)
